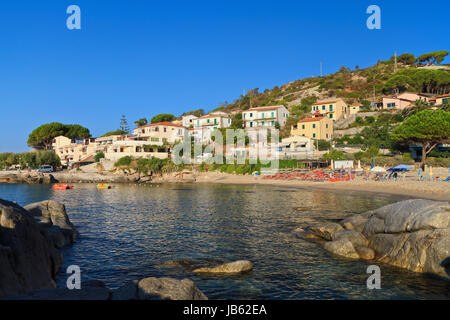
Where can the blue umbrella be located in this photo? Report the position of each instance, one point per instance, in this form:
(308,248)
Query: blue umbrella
(401,167)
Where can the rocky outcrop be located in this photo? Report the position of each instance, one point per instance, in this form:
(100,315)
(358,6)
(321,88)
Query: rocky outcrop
(411,234)
(159,288)
(27,177)
(52,218)
(30,245)
(231,267)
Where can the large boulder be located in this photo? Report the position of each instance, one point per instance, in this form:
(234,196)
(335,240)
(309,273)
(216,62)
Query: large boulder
(29,259)
(239,266)
(168,288)
(53,219)
(411,234)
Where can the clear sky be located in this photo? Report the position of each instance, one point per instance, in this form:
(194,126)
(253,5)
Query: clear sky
(141,58)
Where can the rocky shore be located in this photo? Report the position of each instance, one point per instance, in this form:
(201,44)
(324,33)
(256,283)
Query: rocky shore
(30,245)
(411,234)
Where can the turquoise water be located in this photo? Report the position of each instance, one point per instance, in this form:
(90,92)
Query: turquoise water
(133,231)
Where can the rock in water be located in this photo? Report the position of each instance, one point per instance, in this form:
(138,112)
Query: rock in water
(342,247)
(231,267)
(168,288)
(325,230)
(411,234)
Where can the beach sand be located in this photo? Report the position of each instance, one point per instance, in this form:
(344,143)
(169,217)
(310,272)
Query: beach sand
(436,190)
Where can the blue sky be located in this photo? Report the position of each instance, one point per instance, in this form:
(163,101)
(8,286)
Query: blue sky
(141,58)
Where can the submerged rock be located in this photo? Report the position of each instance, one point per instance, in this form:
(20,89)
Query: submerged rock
(168,288)
(231,267)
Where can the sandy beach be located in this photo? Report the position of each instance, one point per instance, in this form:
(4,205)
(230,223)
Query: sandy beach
(436,190)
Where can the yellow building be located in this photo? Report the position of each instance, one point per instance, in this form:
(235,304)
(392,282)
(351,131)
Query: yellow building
(354,108)
(320,128)
(333,109)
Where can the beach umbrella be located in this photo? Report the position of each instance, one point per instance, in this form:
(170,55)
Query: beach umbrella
(401,167)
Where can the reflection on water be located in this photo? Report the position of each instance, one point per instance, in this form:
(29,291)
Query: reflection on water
(133,231)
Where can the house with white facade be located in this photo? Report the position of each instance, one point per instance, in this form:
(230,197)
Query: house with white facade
(215,120)
(161,132)
(265,116)
(188,121)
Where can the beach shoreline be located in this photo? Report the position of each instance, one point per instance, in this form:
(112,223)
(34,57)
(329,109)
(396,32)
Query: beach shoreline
(433,190)
(436,190)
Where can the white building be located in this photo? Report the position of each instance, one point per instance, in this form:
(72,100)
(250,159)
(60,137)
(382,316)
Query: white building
(265,116)
(215,120)
(188,121)
(161,132)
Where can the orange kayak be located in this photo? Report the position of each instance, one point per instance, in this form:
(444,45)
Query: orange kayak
(58,186)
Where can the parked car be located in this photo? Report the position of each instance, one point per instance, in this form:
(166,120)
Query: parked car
(45,169)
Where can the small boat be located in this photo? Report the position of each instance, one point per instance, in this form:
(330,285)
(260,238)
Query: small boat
(105,186)
(59,186)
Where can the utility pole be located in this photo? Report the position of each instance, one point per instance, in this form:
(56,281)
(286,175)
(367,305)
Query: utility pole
(395,59)
(321,74)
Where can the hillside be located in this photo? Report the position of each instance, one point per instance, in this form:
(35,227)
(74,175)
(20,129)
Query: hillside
(355,86)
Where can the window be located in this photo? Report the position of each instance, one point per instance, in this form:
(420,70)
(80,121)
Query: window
(215,121)
(331,116)
(314,125)
(331,107)
(327,135)
(323,107)
(263,115)
(303,126)
(314,135)
(273,114)
(263,123)
(165,129)
(251,115)
(327,126)
(273,122)
(251,124)
(208,121)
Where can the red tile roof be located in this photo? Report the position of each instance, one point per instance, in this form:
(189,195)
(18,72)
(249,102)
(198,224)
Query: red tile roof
(325,102)
(441,96)
(162,124)
(312,119)
(264,108)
